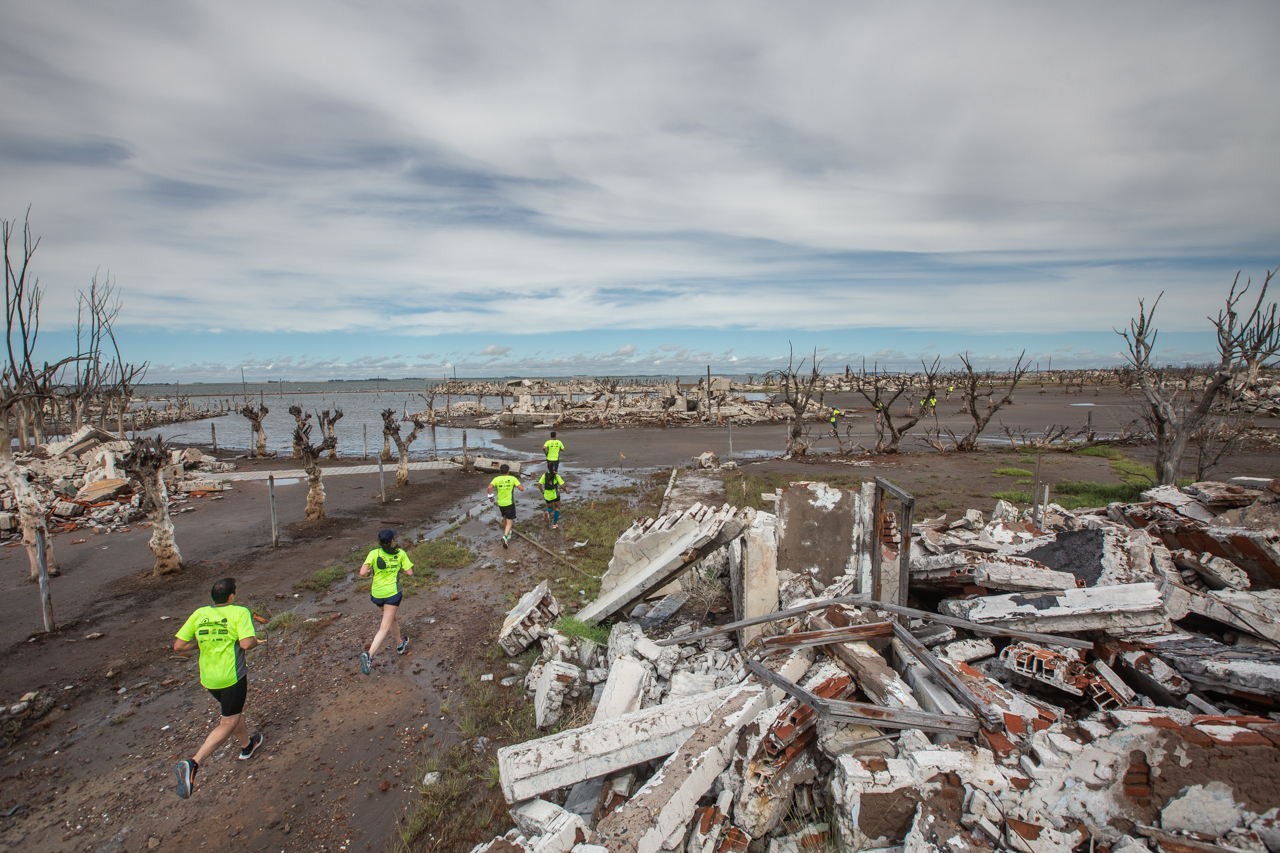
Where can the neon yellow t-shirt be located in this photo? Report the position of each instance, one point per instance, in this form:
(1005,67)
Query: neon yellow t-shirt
(504,485)
(553,448)
(219,631)
(386,571)
(549,482)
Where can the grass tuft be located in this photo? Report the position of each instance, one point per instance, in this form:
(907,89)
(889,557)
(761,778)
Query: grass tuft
(1106,451)
(323,579)
(1014,497)
(1013,472)
(571,627)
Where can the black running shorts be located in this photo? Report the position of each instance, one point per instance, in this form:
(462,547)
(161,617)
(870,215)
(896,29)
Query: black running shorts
(232,698)
(508,511)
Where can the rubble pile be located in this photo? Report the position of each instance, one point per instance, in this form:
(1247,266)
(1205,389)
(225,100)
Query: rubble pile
(1099,679)
(649,408)
(80,483)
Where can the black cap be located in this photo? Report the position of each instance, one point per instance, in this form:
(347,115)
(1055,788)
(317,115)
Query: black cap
(386,534)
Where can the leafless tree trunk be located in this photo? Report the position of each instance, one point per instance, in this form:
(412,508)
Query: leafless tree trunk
(311,464)
(391,430)
(329,425)
(1177,413)
(980,399)
(299,417)
(146,461)
(256,416)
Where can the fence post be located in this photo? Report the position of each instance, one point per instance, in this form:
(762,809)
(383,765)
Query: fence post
(213,430)
(275,526)
(42,569)
(366,441)
(382,483)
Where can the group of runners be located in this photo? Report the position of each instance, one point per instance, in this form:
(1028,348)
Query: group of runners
(223,632)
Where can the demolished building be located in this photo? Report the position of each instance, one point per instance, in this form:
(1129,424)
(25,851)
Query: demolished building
(1097,678)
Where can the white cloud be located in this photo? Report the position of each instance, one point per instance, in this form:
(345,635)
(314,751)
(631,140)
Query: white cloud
(625,350)
(494,349)
(469,166)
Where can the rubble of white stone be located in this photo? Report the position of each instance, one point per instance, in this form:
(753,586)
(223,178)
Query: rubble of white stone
(664,406)
(1097,679)
(82,484)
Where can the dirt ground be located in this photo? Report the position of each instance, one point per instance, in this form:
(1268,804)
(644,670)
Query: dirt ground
(344,753)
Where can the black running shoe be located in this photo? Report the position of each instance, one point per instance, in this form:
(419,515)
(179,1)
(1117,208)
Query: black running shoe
(255,741)
(185,771)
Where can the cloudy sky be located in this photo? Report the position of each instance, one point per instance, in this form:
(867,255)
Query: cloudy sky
(399,188)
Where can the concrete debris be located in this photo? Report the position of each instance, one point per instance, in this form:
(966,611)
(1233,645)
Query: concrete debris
(969,568)
(1210,809)
(528,620)
(1137,688)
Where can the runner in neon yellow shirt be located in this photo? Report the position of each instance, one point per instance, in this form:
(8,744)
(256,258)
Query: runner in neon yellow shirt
(222,633)
(552,448)
(386,562)
(552,485)
(503,488)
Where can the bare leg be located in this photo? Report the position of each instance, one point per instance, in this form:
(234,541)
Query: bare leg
(389,623)
(506,529)
(226,727)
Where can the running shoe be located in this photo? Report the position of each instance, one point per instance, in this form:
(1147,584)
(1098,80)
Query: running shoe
(505,540)
(365,662)
(404,645)
(255,741)
(186,773)
(554,526)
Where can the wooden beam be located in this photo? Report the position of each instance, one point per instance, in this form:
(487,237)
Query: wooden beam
(827,636)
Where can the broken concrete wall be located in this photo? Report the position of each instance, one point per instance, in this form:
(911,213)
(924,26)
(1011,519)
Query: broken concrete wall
(816,530)
(758,594)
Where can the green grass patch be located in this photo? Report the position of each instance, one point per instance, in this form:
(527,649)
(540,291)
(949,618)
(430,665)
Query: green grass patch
(323,579)
(441,554)
(1074,495)
(1026,459)
(1013,472)
(571,627)
(282,621)
(1014,497)
(1103,450)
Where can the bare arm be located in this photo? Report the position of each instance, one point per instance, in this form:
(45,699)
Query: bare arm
(247,643)
(180,645)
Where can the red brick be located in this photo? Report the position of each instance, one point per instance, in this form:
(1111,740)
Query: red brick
(1194,735)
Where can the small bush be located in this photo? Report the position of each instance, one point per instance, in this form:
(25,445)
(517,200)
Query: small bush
(1013,472)
(1073,495)
(571,627)
(282,621)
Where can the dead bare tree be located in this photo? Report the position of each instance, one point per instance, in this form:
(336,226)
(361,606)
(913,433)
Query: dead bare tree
(146,462)
(797,392)
(299,417)
(607,387)
(329,428)
(21,381)
(978,390)
(1178,412)
(311,454)
(883,390)
(391,429)
(258,441)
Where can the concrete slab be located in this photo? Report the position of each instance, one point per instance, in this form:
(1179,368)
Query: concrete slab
(668,800)
(557,761)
